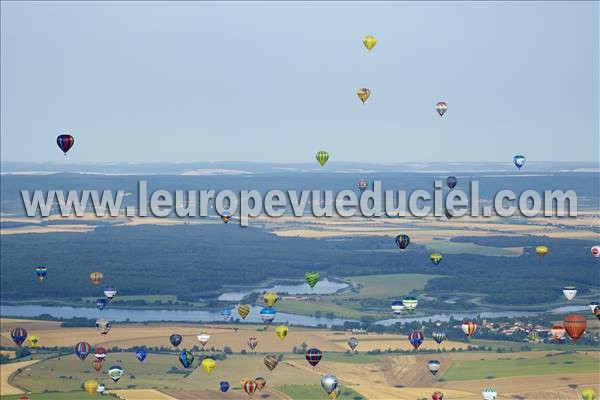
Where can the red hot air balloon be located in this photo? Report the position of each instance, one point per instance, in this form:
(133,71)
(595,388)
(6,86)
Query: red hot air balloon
(249,387)
(575,326)
(65,142)
(437,396)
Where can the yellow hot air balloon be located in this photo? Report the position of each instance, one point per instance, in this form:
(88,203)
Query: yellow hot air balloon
(270,298)
(588,394)
(32,341)
(541,250)
(369,41)
(208,364)
(363,94)
(243,310)
(90,386)
(281,331)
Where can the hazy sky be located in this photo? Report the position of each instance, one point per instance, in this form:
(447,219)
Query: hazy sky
(277,81)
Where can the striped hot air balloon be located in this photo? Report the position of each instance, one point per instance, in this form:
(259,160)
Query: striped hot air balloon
(65,142)
(322,157)
(434,366)
(267,315)
(313,356)
(96,277)
(397,307)
(575,325)
(311,278)
(252,343)
(438,336)
(97,365)
(100,353)
(243,310)
(410,304)
(41,273)
(402,241)
(82,350)
(489,394)
(271,361)
(469,328)
(18,336)
(249,387)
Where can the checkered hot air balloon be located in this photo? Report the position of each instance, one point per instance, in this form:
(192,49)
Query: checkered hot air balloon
(469,328)
(18,336)
(322,157)
(313,356)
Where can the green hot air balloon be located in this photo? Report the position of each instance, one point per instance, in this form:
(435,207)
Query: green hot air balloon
(322,157)
(312,278)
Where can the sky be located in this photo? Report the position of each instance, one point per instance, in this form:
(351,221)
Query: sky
(276,82)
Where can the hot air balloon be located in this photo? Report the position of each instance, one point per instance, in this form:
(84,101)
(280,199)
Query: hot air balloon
(96,277)
(186,358)
(575,325)
(90,386)
(271,361)
(436,258)
(82,349)
(311,278)
(362,185)
(252,343)
(101,304)
(469,328)
(570,292)
(100,353)
(141,354)
(434,366)
(329,383)
(437,395)
(224,386)
(208,365)
(363,94)
(115,372)
(397,307)
(519,161)
(416,338)
(313,356)
(203,338)
(441,108)
(588,394)
(226,314)
(226,216)
(596,251)
(410,304)
(353,343)
(593,305)
(32,341)
(101,389)
(533,335)
(267,315)
(249,387)
(451,182)
(369,42)
(438,336)
(41,273)
(270,298)
(103,326)
(65,142)
(322,157)
(175,339)
(243,310)
(558,332)
(541,250)
(97,365)
(336,392)
(110,292)
(489,394)
(597,312)
(260,382)
(18,336)
(402,241)
(281,331)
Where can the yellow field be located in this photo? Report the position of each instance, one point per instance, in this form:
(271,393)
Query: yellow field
(5,371)
(140,394)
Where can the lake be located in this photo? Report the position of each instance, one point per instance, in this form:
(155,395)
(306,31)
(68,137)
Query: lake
(323,287)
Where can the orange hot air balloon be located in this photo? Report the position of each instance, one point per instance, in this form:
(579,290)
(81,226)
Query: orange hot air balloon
(575,326)
(97,365)
(96,277)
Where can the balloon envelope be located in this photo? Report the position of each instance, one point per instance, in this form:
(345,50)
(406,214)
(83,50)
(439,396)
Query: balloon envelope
(141,354)
(329,383)
(369,42)
(90,386)
(186,358)
(575,325)
(18,335)
(208,365)
(313,356)
(224,386)
(281,331)
(115,372)
(434,366)
(402,241)
(175,339)
(519,161)
(65,142)
(416,338)
(271,361)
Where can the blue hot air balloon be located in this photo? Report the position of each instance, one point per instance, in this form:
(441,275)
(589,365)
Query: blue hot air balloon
(186,358)
(226,314)
(224,386)
(519,161)
(41,273)
(141,354)
(416,338)
(267,314)
(101,304)
(175,339)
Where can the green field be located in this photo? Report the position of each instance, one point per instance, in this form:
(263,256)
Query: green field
(314,392)
(386,286)
(357,358)
(463,370)
(311,307)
